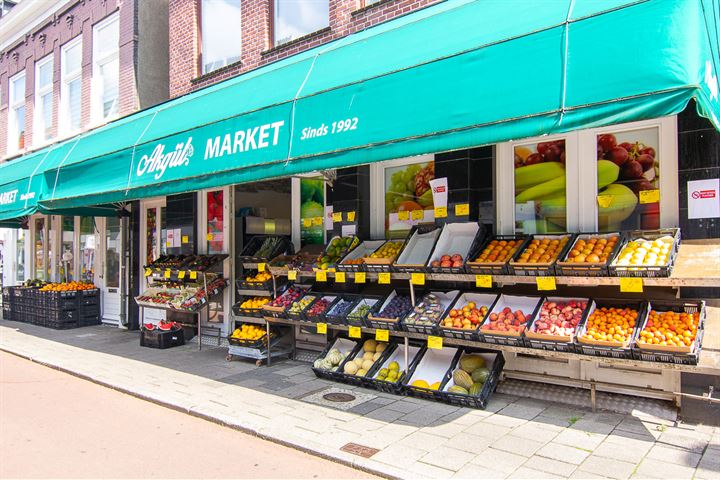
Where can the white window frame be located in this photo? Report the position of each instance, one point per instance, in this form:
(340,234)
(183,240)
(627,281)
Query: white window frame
(225,63)
(39,126)
(13,131)
(96,103)
(65,78)
(276,16)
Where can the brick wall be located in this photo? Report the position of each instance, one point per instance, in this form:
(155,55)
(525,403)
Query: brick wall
(346,17)
(48,38)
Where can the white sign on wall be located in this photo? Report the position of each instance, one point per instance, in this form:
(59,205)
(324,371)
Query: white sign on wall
(704,198)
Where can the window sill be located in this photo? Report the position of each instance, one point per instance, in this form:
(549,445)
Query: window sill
(296,41)
(372,6)
(216,72)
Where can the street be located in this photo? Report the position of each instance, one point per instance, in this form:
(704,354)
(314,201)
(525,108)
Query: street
(55,425)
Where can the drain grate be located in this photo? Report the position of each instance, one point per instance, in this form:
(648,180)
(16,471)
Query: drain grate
(339,397)
(359,450)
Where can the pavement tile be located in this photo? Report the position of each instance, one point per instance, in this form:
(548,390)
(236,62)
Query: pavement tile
(404,406)
(534,431)
(580,475)
(550,466)
(521,411)
(591,426)
(361,425)
(423,440)
(564,412)
(611,468)
(430,471)
(365,407)
(563,453)
(711,460)
(377,440)
(530,474)
(447,458)
(617,451)
(517,445)
(469,443)
(556,423)
(677,456)
(383,414)
(504,420)
(651,468)
(418,418)
(499,460)
(476,471)
(443,429)
(488,430)
(579,439)
(400,456)
(682,441)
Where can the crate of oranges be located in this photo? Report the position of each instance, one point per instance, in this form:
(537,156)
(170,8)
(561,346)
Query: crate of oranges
(590,255)
(610,328)
(492,256)
(539,254)
(672,332)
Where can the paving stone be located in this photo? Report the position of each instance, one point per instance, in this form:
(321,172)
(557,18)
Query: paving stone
(611,468)
(618,451)
(361,425)
(399,456)
(423,440)
(557,423)
(488,430)
(521,411)
(580,439)
(651,468)
(711,460)
(499,460)
(551,466)
(476,471)
(605,417)
(430,471)
(383,414)
(469,443)
(377,440)
(447,458)
(404,406)
(592,427)
(530,474)
(585,475)
(517,445)
(504,420)
(682,441)
(677,456)
(564,412)
(418,418)
(443,429)
(365,407)
(563,453)
(533,431)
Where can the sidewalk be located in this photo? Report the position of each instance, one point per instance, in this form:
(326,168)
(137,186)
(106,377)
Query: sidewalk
(514,438)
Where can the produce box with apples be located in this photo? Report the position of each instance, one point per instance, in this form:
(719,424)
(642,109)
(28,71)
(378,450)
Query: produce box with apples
(556,324)
(417,250)
(492,256)
(466,315)
(452,247)
(279,306)
(429,374)
(508,319)
(590,255)
(611,328)
(647,253)
(315,312)
(539,254)
(672,332)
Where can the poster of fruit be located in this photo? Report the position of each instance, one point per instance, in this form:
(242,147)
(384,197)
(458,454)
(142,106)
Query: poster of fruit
(215,235)
(540,204)
(628,195)
(312,207)
(407,190)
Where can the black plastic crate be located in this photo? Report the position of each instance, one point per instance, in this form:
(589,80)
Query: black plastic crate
(569,269)
(428,393)
(420,268)
(88,320)
(335,318)
(395,388)
(493,268)
(393,324)
(60,303)
(365,380)
(86,310)
(249,254)
(480,400)
(540,269)
(425,329)
(488,336)
(247,312)
(299,316)
(648,272)
(606,350)
(281,312)
(329,374)
(553,345)
(60,325)
(7,312)
(161,339)
(261,342)
(243,284)
(359,320)
(61,316)
(681,358)
(479,237)
(320,317)
(384,265)
(466,334)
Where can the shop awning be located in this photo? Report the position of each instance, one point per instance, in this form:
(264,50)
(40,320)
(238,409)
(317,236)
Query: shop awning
(455,75)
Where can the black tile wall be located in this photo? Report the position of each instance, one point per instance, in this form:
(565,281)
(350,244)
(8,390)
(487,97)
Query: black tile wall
(351,192)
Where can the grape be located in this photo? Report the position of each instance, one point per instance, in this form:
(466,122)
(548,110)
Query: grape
(632,170)
(646,161)
(648,151)
(542,148)
(607,141)
(533,159)
(552,154)
(618,155)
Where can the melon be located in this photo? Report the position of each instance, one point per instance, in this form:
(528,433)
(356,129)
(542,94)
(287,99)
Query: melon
(361,373)
(367,365)
(480,375)
(457,389)
(475,389)
(462,379)
(380,347)
(435,386)
(370,345)
(420,384)
(351,368)
(470,363)
(368,355)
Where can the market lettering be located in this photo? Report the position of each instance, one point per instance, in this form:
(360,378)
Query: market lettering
(159,161)
(254,138)
(7,198)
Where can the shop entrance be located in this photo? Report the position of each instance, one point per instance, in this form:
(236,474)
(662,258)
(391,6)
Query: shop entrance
(151,218)
(111,244)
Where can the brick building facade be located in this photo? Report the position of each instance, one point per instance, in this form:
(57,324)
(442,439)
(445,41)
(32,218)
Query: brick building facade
(256,36)
(32,36)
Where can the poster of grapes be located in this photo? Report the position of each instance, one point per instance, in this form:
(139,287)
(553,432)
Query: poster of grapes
(408,197)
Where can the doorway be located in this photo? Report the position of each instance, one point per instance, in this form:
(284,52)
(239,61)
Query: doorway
(112,248)
(151,220)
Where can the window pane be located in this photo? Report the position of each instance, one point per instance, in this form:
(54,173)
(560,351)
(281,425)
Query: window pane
(39,249)
(67,255)
(107,38)
(17,90)
(109,73)
(112,253)
(151,235)
(215,235)
(407,190)
(295,18)
(47,106)
(45,74)
(540,204)
(72,58)
(87,249)
(20,124)
(74,91)
(221,42)
(20,257)
(628,180)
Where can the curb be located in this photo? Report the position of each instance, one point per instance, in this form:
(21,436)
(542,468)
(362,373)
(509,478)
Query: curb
(206,417)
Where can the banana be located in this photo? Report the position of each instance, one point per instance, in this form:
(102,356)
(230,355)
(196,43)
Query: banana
(531,175)
(553,209)
(607,173)
(621,207)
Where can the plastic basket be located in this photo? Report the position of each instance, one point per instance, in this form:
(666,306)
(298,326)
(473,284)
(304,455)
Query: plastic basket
(607,349)
(335,318)
(547,342)
(162,339)
(515,267)
(246,312)
(500,338)
(249,254)
(363,381)
(420,266)
(467,334)
(354,346)
(374,320)
(648,272)
(478,238)
(568,269)
(395,388)
(492,268)
(319,317)
(428,393)
(480,400)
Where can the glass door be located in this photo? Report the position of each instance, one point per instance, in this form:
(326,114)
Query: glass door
(151,247)
(40,243)
(87,249)
(66,268)
(112,256)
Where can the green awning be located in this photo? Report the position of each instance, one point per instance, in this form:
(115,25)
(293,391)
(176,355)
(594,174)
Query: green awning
(455,75)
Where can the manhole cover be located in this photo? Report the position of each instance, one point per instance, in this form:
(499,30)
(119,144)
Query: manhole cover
(360,450)
(339,397)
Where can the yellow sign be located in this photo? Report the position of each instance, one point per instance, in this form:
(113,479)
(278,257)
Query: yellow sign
(261,267)
(604,201)
(168,244)
(351,216)
(148,272)
(321,276)
(382,335)
(316,221)
(167,273)
(322,328)
(337,217)
(307,222)
(440,212)
(631,285)
(462,209)
(545,283)
(435,342)
(193,275)
(292,274)
(270,227)
(209,237)
(340,277)
(355,332)
(417,278)
(649,196)
(483,281)
(384,278)
(359,277)
(185,239)
(181,274)
(404,215)
(417,214)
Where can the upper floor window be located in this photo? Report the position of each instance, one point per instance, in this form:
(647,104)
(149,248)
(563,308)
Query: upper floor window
(295,18)
(16,117)
(70,86)
(43,100)
(106,69)
(220,32)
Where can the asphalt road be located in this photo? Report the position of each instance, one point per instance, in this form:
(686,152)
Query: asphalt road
(54,425)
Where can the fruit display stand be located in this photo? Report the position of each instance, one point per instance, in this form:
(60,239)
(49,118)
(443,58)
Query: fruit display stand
(594,261)
(262,248)
(427,377)
(354,261)
(451,250)
(417,250)
(683,314)
(590,341)
(481,378)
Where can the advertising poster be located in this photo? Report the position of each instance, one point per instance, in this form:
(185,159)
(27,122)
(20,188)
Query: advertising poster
(312,210)
(408,197)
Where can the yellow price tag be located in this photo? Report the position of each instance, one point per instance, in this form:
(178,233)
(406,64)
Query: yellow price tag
(483,281)
(261,267)
(181,274)
(417,278)
(359,277)
(382,335)
(321,276)
(462,209)
(322,328)
(649,196)
(434,342)
(604,201)
(404,215)
(193,275)
(355,332)
(168,244)
(545,283)
(270,227)
(339,277)
(307,222)
(292,274)
(384,278)
(337,216)
(167,273)
(417,214)
(440,212)
(351,216)
(316,221)
(209,237)
(631,285)
(185,239)
(148,272)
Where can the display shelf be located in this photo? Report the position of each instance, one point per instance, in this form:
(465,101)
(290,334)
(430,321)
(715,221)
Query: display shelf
(254,293)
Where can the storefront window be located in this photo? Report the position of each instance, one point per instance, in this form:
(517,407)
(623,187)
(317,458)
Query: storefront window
(540,200)
(408,197)
(39,243)
(151,235)
(215,234)
(312,211)
(628,180)
(87,249)
(67,259)
(20,257)
(112,253)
